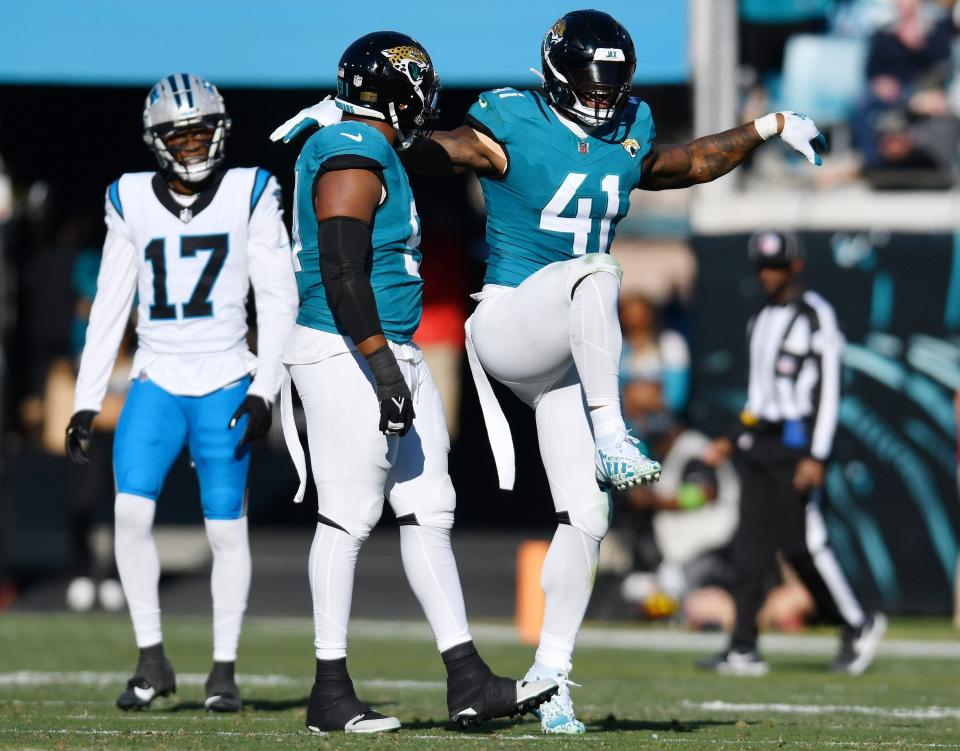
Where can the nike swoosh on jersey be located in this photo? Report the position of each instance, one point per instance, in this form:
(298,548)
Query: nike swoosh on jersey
(353,137)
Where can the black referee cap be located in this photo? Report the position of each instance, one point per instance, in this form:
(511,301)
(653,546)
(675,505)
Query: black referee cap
(774,248)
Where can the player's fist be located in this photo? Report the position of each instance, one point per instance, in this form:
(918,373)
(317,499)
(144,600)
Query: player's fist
(396,410)
(79,433)
(259,417)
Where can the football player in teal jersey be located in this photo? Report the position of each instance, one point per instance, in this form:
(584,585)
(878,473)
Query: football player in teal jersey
(363,381)
(557,168)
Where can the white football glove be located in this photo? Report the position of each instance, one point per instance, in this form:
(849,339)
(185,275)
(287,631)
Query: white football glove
(799,132)
(322,114)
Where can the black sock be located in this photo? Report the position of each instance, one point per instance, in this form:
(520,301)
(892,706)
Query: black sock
(152,654)
(333,679)
(223,671)
(463,661)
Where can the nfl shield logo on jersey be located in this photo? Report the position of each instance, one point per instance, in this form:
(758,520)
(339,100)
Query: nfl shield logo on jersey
(583,147)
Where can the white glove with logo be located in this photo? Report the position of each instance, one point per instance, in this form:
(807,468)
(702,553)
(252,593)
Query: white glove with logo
(799,132)
(322,114)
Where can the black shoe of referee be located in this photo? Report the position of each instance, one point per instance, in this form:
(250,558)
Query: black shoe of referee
(858,646)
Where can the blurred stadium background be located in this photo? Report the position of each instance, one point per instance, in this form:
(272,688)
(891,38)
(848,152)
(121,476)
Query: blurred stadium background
(880,221)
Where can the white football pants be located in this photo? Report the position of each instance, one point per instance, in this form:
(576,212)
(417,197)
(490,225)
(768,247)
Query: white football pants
(536,339)
(544,338)
(355,467)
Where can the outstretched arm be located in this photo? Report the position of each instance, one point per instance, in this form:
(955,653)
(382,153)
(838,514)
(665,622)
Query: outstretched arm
(705,159)
(445,152)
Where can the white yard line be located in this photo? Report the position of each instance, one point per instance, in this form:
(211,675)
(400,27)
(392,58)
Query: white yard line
(662,640)
(907,713)
(107,678)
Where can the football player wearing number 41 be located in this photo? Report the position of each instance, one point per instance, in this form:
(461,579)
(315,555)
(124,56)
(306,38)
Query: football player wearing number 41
(557,168)
(188,239)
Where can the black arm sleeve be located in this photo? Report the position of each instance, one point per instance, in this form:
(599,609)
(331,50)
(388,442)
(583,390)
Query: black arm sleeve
(346,257)
(426,157)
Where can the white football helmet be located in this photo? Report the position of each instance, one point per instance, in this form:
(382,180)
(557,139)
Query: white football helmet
(185,101)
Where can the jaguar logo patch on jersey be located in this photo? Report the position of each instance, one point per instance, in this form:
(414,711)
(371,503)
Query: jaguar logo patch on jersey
(409,60)
(631,146)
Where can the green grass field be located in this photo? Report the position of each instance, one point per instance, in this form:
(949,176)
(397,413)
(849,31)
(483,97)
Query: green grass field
(631,699)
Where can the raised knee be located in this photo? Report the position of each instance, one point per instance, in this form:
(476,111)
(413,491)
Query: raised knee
(593,263)
(593,521)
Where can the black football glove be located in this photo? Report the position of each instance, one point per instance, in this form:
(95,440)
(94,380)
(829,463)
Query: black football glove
(79,434)
(396,404)
(259,418)
(396,409)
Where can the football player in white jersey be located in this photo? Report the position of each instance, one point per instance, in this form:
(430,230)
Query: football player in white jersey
(188,239)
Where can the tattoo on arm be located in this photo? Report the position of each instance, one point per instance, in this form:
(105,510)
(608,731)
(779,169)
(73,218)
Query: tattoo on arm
(467,150)
(700,161)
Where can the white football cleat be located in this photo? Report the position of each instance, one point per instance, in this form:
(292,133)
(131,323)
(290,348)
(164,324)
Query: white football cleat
(556,715)
(624,465)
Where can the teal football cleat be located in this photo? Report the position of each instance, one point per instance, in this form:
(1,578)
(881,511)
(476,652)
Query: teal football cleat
(557,716)
(624,465)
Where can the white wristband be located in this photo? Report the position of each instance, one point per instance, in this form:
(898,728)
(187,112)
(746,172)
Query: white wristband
(766,126)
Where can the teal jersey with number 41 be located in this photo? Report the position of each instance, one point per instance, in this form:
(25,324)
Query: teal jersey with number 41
(565,189)
(394,273)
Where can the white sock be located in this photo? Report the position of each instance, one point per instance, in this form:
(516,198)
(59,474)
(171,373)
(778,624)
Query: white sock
(139,565)
(608,427)
(229,583)
(596,343)
(567,580)
(333,562)
(432,572)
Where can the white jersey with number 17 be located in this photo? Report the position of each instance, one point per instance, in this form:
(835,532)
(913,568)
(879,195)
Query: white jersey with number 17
(191,267)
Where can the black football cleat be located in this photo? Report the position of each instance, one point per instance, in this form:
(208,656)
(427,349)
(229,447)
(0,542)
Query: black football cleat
(221,687)
(153,677)
(475,694)
(334,704)
(859,646)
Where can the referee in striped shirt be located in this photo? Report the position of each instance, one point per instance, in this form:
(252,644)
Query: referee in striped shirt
(783,442)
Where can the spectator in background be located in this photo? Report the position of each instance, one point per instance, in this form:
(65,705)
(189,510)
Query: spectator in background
(679,528)
(765,27)
(905,119)
(655,365)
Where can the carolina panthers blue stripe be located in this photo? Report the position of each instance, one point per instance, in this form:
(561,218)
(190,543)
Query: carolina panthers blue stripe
(259,185)
(173,89)
(186,86)
(114,192)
